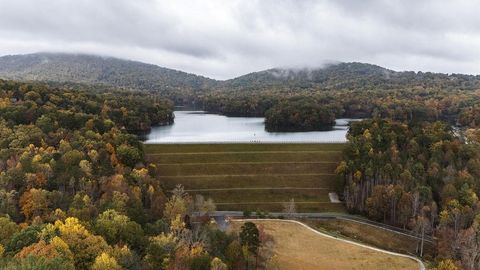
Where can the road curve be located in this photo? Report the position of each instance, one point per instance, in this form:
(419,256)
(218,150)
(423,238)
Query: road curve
(420,263)
(352,218)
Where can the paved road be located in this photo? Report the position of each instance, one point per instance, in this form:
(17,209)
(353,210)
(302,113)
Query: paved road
(221,215)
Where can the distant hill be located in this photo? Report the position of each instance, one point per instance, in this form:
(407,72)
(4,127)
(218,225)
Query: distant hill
(347,75)
(312,76)
(181,86)
(81,68)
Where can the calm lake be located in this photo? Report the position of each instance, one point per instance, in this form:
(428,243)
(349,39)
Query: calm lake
(198,126)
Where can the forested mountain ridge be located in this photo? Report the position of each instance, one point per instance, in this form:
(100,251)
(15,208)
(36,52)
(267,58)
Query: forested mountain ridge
(347,89)
(90,69)
(348,75)
(322,75)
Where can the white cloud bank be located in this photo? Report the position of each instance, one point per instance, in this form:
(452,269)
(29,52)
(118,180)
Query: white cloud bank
(223,39)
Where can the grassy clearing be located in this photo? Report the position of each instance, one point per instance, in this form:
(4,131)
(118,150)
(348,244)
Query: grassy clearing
(370,235)
(203,167)
(297,247)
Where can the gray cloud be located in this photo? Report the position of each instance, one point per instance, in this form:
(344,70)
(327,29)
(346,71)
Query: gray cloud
(223,39)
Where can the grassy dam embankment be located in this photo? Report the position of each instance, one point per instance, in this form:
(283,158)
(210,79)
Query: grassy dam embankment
(252,176)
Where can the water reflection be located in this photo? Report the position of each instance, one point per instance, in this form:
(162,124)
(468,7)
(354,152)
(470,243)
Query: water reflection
(198,126)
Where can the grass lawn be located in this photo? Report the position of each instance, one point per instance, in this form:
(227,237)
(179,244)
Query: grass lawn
(297,247)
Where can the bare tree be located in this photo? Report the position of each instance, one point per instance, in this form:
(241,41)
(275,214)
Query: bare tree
(415,203)
(469,248)
(179,191)
(193,238)
(422,226)
(204,207)
(289,209)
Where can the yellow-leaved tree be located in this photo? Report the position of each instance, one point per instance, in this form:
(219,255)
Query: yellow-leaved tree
(84,245)
(105,262)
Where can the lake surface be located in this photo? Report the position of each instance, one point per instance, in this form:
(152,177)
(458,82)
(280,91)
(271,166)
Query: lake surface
(198,126)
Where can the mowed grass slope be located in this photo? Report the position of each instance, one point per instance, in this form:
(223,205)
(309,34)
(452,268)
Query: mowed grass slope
(297,247)
(252,176)
(371,235)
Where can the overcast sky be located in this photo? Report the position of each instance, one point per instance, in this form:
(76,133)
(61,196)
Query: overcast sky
(223,39)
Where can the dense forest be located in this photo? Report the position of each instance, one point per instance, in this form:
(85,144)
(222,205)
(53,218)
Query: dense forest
(419,176)
(350,90)
(76,193)
(355,90)
(455,106)
(299,115)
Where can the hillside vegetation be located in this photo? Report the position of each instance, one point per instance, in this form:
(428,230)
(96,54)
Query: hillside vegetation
(422,176)
(352,90)
(89,69)
(67,157)
(83,68)
(77,194)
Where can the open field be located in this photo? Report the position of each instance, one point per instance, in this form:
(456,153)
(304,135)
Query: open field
(299,247)
(370,235)
(252,176)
